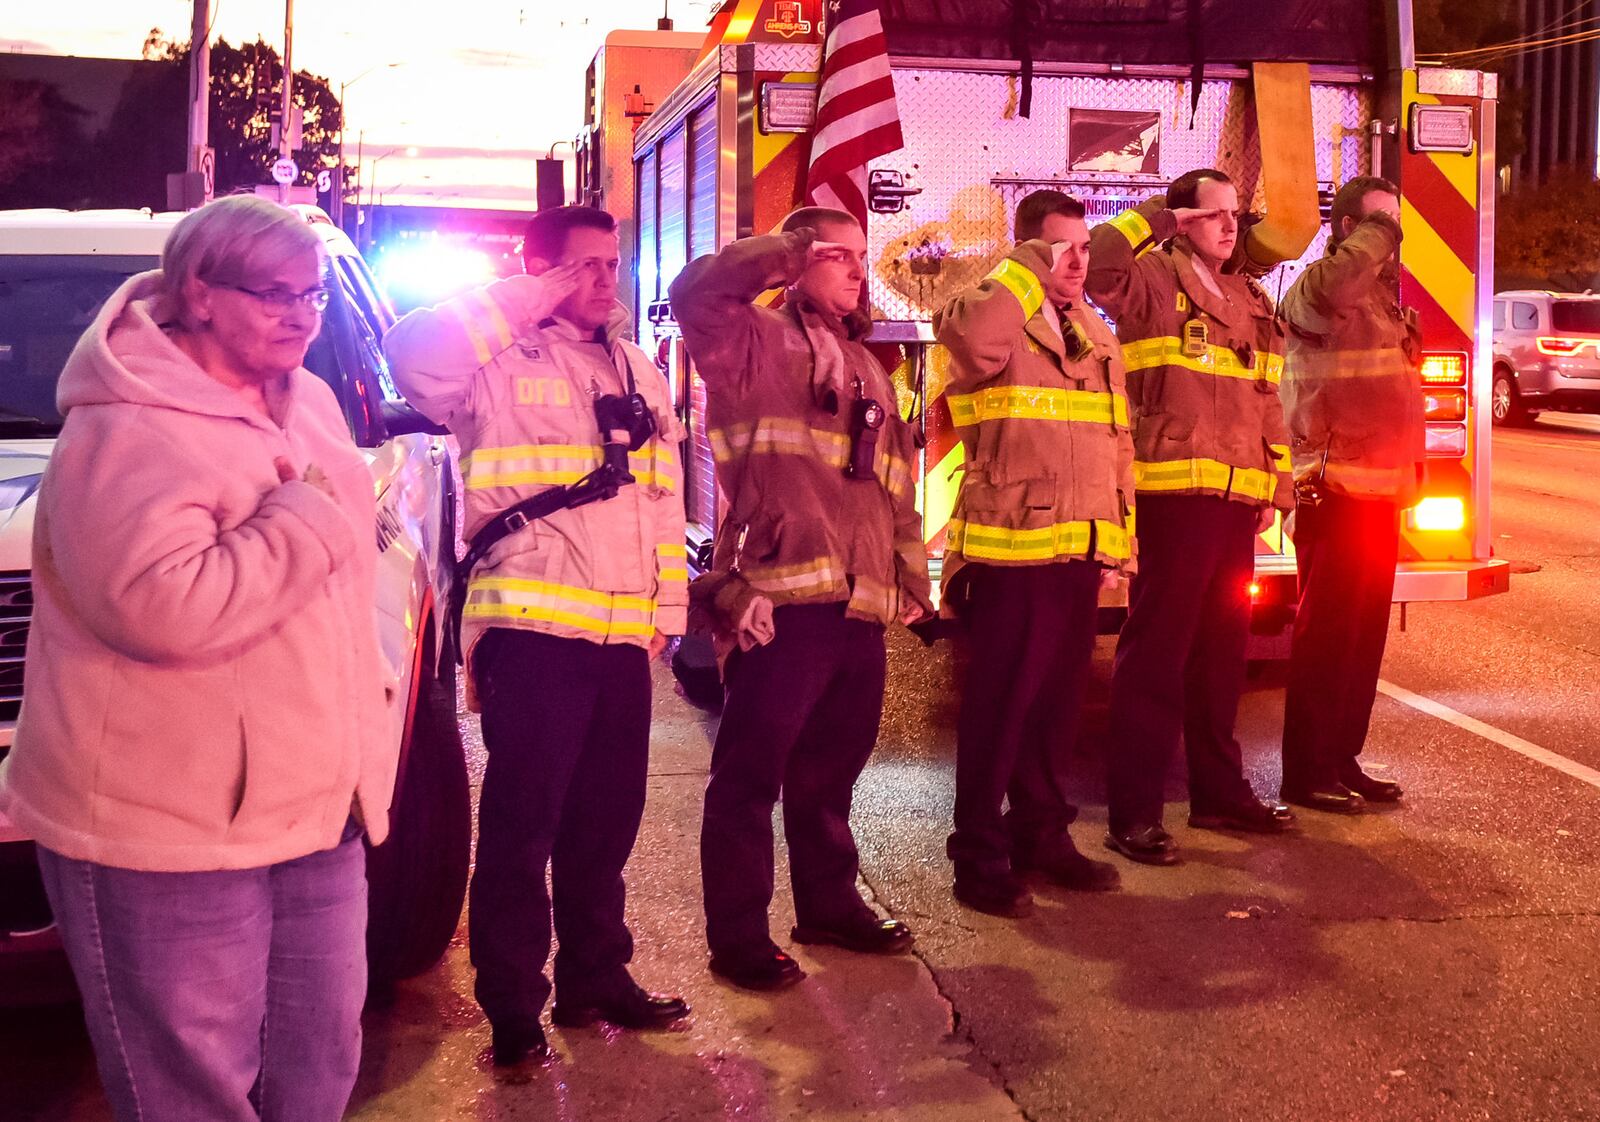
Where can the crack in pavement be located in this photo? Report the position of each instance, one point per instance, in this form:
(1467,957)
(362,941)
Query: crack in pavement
(957,1031)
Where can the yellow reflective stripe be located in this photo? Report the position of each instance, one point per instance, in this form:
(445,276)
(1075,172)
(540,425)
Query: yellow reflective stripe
(1022,283)
(672,562)
(462,312)
(558,464)
(1133,226)
(1168,351)
(607,600)
(584,609)
(497,319)
(1281,457)
(1043,543)
(806,576)
(1037,403)
(1386,362)
(1202,474)
(896,475)
(605,628)
(776,436)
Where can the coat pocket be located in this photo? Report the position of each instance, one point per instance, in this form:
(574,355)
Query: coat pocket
(1024,504)
(1157,430)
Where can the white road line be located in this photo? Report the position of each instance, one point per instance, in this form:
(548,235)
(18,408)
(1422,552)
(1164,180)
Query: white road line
(1518,745)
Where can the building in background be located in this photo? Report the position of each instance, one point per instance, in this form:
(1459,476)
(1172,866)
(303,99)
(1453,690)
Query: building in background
(89,132)
(630,75)
(1558,72)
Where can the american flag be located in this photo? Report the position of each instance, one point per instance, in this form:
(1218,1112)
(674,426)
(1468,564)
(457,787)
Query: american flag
(856,116)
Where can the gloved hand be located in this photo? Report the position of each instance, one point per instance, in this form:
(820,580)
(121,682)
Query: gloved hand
(756,628)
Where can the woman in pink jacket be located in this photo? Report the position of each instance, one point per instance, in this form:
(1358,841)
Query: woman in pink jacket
(204,736)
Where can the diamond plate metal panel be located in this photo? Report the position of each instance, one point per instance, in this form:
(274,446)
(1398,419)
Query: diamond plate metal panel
(779,57)
(1458,83)
(974,158)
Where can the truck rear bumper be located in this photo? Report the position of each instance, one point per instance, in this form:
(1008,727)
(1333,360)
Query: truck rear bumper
(1416,581)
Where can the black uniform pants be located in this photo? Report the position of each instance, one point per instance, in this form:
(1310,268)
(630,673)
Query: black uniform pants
(1346,550)
(800,721)
(1032,631)
(566,724)
(1180,665)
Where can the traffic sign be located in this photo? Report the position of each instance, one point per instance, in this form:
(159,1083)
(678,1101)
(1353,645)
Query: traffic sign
(284,171)
(208,169)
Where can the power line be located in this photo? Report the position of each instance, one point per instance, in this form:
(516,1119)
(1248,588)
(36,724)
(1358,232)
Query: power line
(1558,26)
(1494,52)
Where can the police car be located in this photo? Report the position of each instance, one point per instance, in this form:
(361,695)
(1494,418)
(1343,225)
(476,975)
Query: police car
(56,269)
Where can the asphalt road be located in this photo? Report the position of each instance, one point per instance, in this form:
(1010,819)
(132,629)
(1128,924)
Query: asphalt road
(1437,961)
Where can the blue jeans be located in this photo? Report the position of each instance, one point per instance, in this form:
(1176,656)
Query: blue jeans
(221,996)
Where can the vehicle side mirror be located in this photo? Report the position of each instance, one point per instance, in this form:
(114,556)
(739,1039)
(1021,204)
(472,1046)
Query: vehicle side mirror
(402,420)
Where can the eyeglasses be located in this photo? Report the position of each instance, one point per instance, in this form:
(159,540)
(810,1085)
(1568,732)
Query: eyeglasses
(277,301)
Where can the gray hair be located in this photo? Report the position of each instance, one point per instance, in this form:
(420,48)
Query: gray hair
(238,240)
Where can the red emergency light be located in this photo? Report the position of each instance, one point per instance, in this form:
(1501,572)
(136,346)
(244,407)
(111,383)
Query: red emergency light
(1444,369)
(1440,514)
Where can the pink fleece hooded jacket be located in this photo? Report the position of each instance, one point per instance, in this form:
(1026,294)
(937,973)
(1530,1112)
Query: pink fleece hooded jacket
(205,688)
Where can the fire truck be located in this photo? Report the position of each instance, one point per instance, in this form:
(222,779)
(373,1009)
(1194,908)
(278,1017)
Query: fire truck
(1109,103)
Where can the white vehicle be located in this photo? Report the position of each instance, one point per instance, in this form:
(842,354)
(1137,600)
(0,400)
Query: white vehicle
(56,269)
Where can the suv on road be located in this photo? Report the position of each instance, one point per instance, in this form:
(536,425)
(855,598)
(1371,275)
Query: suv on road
(1546,355)
(56,269)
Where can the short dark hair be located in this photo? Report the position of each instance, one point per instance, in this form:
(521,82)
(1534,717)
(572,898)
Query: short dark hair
(546,236)
(816,216)
(1347,203)
(1036,206)
(1185,190)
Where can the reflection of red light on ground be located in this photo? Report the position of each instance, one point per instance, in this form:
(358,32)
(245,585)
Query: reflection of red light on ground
(1440,514)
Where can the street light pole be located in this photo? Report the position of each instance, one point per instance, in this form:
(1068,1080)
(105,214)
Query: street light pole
(338,198)
(288,92)
(199,86)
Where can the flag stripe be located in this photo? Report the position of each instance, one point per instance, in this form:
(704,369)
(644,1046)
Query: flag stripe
(858,152)
(850,101)
(857,120)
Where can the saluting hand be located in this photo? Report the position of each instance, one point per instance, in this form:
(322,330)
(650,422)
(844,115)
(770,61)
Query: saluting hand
(1188,217)
(538,296)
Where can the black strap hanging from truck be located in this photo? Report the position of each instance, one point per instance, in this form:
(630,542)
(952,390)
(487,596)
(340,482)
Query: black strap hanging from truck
(1024,16)
(1197,54)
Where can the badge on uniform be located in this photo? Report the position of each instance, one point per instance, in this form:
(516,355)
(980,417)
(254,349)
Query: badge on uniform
(1196,338)
(533,353)
(1183,303)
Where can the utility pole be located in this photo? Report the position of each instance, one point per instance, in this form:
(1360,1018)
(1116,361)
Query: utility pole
(199,157)
(288,92)
(337,201)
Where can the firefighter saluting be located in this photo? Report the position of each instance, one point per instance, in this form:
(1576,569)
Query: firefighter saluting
(576,556)
(1354,399)
(1037,392)
(816,470)
(1204,358)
